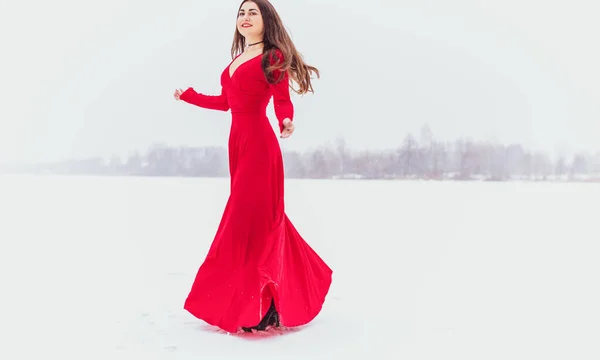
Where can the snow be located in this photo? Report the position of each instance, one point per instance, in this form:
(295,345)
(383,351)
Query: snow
(99,267)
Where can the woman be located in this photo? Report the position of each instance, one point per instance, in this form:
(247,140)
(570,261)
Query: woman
(259,271)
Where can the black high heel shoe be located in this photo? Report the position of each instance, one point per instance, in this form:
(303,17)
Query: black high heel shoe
(271,318)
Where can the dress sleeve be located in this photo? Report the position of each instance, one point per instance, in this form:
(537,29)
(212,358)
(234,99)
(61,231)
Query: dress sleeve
(213,102)
(284,108)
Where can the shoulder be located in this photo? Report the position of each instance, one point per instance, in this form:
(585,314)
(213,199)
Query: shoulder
(275,56)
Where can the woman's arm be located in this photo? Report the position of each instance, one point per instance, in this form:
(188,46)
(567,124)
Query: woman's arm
(213,102)
(284,108)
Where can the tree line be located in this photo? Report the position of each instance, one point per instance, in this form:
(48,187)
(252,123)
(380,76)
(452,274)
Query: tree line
(426,158)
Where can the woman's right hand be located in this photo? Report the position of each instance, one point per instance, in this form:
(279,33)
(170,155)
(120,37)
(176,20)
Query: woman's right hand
(177,94)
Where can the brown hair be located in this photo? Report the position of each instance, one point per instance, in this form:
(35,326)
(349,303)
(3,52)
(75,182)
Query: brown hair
(277,38)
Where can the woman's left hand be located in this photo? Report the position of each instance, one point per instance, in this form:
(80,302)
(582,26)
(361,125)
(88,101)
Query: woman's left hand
(288,128)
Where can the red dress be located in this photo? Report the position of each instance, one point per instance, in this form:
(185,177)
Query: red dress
(257,254)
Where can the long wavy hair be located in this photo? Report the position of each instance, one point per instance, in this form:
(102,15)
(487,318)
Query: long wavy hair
(276,38)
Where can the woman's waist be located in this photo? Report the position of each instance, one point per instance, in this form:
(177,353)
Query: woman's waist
(251,115)
(251,124)
(249,110)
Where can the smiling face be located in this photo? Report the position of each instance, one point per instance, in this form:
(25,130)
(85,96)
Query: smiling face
(249,21)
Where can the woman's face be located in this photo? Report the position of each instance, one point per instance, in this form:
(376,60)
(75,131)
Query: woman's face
(249,21)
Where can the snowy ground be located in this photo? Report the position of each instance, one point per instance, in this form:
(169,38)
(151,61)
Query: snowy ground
(99,267)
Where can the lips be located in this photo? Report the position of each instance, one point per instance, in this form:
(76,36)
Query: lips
(246,25)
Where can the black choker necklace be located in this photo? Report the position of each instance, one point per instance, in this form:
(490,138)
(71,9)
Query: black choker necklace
(248,45)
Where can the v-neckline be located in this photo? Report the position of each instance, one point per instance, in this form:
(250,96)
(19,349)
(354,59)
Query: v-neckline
(240,65)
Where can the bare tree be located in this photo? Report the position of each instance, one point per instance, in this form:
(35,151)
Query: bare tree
(408,155)
(462,159)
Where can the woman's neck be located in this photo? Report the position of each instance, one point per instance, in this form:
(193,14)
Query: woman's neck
(253,43)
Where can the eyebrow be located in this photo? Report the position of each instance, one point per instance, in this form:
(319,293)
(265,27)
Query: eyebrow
(249,9)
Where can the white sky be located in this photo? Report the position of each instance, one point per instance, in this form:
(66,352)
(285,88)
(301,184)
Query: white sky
(96,78)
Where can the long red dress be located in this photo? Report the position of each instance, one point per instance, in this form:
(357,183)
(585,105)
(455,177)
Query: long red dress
(257,254)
